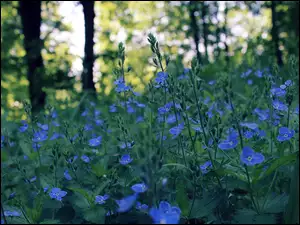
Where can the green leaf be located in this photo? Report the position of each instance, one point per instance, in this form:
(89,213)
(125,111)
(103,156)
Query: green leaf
(182,199)
(50,222)
(277,204)
(83,192)
(79,201)
(52,204)
(284,160)
(99,169)
(95,215)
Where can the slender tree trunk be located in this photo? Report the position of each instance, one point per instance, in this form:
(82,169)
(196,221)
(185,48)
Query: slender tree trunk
(226,34)
(88,62)
(195,28)
(218,31)
(275,35)
(30,13)
(204,10)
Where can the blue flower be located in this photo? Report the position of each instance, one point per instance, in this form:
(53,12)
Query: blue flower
(297,110)
(121,86)
(99,122)
(54,114)
(139,119)
(288,83)
(164,109)
(12,195)
(40,136)
(130,109)
(228,144)
(67,175)
(175,131)
(88,127)
(46,189)
(139,188)
(85,158)
(11,213)
(113,108)
(125,159)
(250,82)
(259,73)
(172,118)
(285,134)
(84,113)
(262,114)
(164,181)
(126,203)
(32,179)
(161,77)
(142,207)
(260,133)
(279,105)
(212,82)
(96,112)
(56,124)
(99,199)
(250,157)
(278,92)
(248,134)
(282,86)
(55,136)
(204,168)
(57,193)
(71,160)
(165,214)
(95,141)
(36,146)
(2,141)
(129,145)
(24,127)
(249,125)
(246,74)
(43,126)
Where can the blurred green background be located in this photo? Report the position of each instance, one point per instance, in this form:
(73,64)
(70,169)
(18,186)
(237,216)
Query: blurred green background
(228,34)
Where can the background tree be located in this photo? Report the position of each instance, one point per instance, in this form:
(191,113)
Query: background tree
(88,61)
(30,13)
(275,34)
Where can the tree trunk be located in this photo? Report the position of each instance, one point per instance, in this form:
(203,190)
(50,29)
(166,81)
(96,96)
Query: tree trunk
(204,10)
(218,31)
(195,28)
(88,62)
(275,35)
(226,34)
(30,13)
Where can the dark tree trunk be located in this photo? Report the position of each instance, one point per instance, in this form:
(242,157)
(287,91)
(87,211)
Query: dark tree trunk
(275,35)
(195,28)
(88,62)
(204,10)
(218,31)
(30,13)
(226,34)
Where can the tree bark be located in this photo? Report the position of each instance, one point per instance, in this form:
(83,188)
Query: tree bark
(195,28)
(275,35)
(30,13)
(88,61)
(226,34)
(204,10)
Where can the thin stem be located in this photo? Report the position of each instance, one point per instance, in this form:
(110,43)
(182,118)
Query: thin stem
(4,217)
